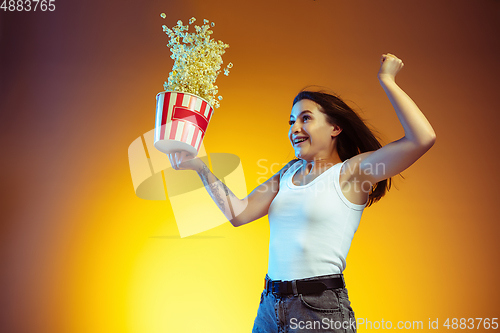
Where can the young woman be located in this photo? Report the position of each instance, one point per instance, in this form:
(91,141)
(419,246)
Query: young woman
(315,203)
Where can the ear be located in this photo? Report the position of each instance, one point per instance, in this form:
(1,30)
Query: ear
(336,130)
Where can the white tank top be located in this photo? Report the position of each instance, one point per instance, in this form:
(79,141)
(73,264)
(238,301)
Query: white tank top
(311,226)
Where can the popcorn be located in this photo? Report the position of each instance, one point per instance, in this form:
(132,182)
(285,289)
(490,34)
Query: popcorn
(163,15)
(197,62)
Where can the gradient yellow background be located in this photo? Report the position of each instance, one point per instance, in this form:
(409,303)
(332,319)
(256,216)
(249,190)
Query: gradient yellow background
(80,253)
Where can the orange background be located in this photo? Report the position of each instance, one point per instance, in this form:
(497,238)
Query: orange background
(80,252)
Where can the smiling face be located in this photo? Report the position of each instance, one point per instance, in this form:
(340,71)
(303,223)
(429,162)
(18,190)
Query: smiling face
(311,135)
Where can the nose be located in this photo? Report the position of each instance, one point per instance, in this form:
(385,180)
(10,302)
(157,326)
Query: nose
(295,127)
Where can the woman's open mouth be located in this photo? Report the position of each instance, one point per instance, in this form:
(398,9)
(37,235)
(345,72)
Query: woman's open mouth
(299,141)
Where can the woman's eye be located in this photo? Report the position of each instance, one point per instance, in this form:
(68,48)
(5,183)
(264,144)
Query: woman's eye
(306,117)
(291,122)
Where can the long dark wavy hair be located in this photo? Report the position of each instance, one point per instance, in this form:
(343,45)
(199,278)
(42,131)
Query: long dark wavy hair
(355,138)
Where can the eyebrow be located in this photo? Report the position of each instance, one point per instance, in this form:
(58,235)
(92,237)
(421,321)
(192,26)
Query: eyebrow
(305,111)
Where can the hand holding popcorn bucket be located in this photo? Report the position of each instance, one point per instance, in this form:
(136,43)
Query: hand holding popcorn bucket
(181,121)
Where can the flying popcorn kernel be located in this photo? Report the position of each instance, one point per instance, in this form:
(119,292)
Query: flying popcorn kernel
(230,65)
(163,15)
(197,61)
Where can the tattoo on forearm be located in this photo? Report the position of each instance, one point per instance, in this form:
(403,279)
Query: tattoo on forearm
(216,189)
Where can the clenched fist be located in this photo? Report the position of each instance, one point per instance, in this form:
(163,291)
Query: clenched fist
(390,66)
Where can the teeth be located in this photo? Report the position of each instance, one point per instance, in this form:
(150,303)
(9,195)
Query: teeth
(300,140)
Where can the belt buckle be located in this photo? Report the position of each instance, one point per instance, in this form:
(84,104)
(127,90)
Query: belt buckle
(275,286)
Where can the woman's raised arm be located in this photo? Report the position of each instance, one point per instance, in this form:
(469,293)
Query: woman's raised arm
(397,156)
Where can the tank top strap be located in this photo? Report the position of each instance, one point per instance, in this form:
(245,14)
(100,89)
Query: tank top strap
(290,171)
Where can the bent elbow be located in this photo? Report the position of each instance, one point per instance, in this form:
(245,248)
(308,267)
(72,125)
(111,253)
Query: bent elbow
(428,142)
(239,213)
(236,222)
(431,141)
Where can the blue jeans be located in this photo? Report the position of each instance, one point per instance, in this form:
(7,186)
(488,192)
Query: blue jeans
(329,311)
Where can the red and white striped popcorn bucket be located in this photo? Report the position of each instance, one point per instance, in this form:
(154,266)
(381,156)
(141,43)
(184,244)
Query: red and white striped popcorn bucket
(181,121)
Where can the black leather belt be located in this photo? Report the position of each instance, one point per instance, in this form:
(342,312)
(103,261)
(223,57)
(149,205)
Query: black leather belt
(304,287)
